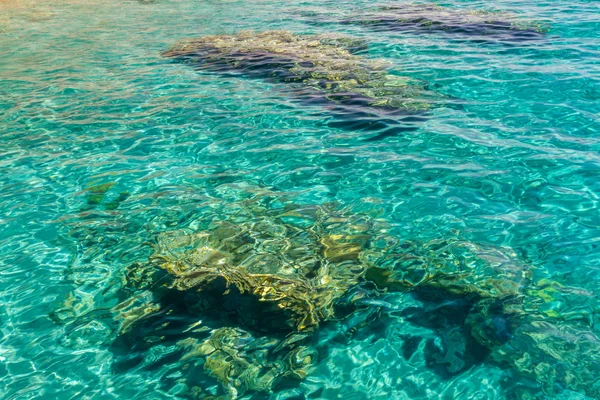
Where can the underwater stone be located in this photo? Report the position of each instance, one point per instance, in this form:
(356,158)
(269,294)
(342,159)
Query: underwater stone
(339,248)
(298,271)
(506,309)
(554,353)
(243,363)
(499,26)
(95,194)
(262,267)
(257,283)
(322,65)
(227,358)
(456,268)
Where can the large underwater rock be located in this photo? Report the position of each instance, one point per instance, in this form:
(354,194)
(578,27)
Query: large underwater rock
(321,69)
(266,277)
(509,312)
(479,24)
(240,293)
(292,264)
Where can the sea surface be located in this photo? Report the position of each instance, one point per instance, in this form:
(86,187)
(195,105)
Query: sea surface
(105,143)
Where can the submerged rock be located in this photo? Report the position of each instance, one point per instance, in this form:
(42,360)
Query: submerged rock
(241,291)
(291,269)
(501,26)
(266,277)
(456,268)
(322,69)
(501,307)
(554,353)
(96,196)
(243,363)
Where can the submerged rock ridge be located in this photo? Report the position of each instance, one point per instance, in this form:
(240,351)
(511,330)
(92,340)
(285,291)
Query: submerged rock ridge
(321,70)
(509,309)
(501,26)
(242,292)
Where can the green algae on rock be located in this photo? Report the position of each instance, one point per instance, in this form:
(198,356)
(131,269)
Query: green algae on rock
(501,26)
(323,65)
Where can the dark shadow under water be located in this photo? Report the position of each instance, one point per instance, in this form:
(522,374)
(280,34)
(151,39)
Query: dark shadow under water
(214,309)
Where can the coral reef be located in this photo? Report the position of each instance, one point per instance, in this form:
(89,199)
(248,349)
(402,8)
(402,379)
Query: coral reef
(266,275)
(241,292)
(324,66)
(297,262)
(500,26)
(507,310)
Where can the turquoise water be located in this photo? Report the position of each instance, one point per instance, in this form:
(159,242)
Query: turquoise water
(510,167)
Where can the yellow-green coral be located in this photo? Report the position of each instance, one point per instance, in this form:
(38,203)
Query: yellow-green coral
(302,271)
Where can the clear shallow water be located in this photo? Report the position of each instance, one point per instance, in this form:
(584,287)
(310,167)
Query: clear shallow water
(87,99)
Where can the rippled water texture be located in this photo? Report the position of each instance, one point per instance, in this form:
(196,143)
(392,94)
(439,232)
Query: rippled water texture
(456,259)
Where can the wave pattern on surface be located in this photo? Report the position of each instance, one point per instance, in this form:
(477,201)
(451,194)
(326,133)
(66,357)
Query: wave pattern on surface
(106,144)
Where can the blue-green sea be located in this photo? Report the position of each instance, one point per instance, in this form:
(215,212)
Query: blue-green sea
(105,144)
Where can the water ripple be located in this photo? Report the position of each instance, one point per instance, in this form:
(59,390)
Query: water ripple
(508,161)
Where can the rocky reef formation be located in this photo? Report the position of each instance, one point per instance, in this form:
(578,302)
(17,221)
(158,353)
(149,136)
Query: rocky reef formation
(243,363)
(505,309)
(240,293)
(501,26)
(294,264)
(322,70)
(267,275)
